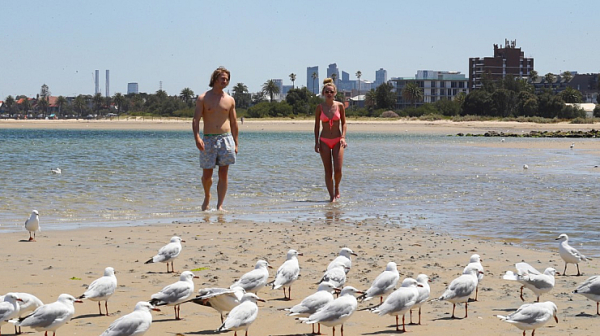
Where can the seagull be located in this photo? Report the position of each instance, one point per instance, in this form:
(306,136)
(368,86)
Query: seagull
(9,309)
(56,170)
(102,288)
(525,166)
(28,303)
(344,258)
(51,316)
(460,290)
(572,145)
(531,279)
(591,290)
(33,224)
(242,316)
(168,253)
(424,292)
(336,275)
(175,293)
(337,311)
(400,301)
(256,279)
(312,303)
(383,284)
(569,254)
(220,299)
(502,140)
(287,273)
(135,323)
(475,262)
(532,316)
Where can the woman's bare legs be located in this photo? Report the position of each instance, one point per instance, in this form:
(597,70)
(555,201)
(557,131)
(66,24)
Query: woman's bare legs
(326,155)
(338,160)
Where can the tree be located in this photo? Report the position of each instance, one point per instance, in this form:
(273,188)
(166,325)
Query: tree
(10,102)
(42,106)
(186,95)
(293,79)
(385,97)
(161,95)
(314,77)
(533,75)
(334,77)
(119,101)
(270,88)
(567,75)
(477,102)
(412,93)
(60,102)
(570,95)
(97,102)
(241,95)
(79,104)
(371,99)
(358,75)
(549,77)
(25,105)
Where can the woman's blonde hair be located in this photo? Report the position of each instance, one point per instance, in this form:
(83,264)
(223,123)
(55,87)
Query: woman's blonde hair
(217,73)
(328,82)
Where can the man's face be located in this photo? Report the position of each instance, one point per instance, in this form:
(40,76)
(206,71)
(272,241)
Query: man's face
(223,80)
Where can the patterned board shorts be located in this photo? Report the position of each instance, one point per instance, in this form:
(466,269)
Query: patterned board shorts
(218,150)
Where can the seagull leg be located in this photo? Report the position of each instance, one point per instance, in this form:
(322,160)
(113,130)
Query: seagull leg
(290,293)
(522,299)
(578,274)
(565,271)
(222,318)
(342,328)
(246,334)
(313,328)
(533,332)
(476,292)
(453,307)
(403,324)
(99,308)
(419,315)
(538,299)
(380,299)
(466,309)
(106,306)
(319,330)
(397,329)
(177,312)
(597,308)
(411,322)
(333,330)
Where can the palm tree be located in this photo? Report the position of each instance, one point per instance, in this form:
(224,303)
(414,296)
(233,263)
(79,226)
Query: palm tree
(79,104)
(314,77)
(42,106)
(240,95)
(25,105)
(358,75)
(161,95)
(370,99)
(98,101)
(533,75)
(119,100)
(60,102)
(186,95)
(412,93)
(567,75)
(270,88)
(334,77)
(10,102)
(549,78)
(293,79)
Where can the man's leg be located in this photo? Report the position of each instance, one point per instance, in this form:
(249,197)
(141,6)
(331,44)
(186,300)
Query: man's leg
(206,184)
(222,186)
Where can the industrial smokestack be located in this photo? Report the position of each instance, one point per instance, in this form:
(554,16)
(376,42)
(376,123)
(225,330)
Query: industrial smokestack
(108,83)
(97,81)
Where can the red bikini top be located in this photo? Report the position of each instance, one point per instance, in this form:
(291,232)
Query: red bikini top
(336,116)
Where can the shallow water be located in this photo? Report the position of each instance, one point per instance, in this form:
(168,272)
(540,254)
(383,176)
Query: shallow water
(450,184)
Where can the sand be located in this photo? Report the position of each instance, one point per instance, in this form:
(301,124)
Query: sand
(67,261)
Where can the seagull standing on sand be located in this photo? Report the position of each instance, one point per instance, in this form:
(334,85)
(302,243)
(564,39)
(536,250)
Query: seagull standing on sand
(175,293)
(102,288)
(531,279)
(384,283)
(336,275)
(256,279)
(400,301)
(344,258)
(33,224)
(28,303)
(135,323)
(337,311)
(168,253)
(9,309)
(569,254)
(242,316)
(460,290)
(424,293)
(220,299)
(312,303)
(51,316)
(532,316)
(475,262)
(287,273)
(591,290)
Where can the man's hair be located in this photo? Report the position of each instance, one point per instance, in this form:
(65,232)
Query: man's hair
(217,73)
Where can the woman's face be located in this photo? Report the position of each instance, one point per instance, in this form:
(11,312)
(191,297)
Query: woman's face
(329,91)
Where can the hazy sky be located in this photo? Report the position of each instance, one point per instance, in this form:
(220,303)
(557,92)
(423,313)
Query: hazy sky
(61,43)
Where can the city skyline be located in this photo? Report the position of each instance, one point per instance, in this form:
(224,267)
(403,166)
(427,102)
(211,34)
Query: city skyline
(62,45)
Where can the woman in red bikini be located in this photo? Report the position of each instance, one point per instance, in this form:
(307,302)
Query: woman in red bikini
(332,140)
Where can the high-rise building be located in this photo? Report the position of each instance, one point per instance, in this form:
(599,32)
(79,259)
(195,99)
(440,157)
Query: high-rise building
(508,60)
(312,79)
(333,69)
(435,85)
(380,77)
(132,88)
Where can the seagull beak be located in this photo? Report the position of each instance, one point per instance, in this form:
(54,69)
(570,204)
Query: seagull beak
(261,300)
(155,309)
(419,285)
(360,292)
(21,300)
(301,254)
(183,241)
(78,301)
(269,266)
(337,290)
(196,277)
(354,254)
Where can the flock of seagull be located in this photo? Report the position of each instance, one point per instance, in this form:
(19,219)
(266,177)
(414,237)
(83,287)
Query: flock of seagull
(331,305)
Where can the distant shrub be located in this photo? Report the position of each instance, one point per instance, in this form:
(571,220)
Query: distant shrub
(389,114)
(431,117)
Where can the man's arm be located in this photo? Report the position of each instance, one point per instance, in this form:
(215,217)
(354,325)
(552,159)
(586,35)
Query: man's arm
(196,122)
(233,124)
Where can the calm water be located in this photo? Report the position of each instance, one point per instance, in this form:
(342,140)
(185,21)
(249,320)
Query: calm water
(446,183)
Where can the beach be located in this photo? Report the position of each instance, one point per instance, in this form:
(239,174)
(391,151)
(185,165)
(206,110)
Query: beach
(65,261)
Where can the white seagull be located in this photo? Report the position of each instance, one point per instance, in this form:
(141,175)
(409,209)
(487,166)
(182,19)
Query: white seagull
(460,290)
(336,275)
(591,290)
(9,309)
(475,262)
(256,279)
(344,258)
(569,254)
(56,171)
(175,293)
(287,273)
(312,303)
(168,253)
(28,303)
(400,301)
(383,284)
(33,224)
(220,299)
(532,316)
(531,279)
(424,293)
(102,289)
(572,145)
(337,311)
(242,316)
(51,316)
(135,323)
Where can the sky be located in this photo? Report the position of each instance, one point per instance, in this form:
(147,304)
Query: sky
(179,43)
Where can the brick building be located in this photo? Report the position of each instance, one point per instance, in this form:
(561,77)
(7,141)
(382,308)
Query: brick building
(507,60)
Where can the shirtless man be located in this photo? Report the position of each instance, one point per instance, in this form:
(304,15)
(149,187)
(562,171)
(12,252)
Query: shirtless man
(219,144)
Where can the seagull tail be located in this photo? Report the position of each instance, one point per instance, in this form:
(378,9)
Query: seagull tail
(502,317)
(221,328)
(82,296)
(150,261)
(157,302)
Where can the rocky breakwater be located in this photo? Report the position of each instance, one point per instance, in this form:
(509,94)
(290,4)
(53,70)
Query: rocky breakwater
(539,134)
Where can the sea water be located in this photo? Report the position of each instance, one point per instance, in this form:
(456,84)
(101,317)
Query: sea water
(458,185)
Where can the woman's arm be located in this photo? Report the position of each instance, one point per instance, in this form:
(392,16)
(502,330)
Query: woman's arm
(343,142)
(317,127)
